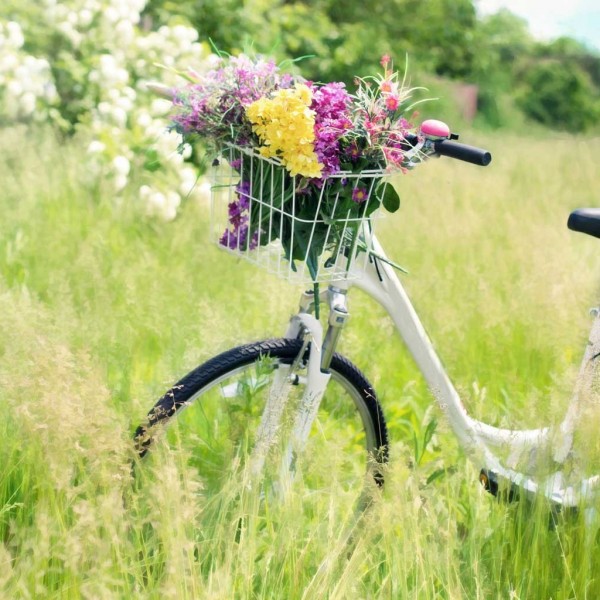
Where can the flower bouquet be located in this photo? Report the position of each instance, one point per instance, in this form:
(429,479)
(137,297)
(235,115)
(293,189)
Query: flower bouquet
(304,163)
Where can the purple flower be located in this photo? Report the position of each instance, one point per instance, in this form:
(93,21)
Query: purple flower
(331,104)
(214,105)
(243,188)
(353,152)
(237,214)
(237,239)
(360,194)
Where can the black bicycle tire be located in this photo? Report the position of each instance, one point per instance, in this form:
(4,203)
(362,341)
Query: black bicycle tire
(284,349)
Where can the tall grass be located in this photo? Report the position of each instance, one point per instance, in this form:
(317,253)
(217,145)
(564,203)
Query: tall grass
(101,310)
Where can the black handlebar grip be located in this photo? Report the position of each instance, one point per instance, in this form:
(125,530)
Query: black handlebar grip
(469,154)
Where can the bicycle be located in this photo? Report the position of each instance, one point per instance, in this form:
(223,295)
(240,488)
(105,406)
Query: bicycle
(309,402)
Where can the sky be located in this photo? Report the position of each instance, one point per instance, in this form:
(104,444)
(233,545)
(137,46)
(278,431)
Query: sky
(549,19)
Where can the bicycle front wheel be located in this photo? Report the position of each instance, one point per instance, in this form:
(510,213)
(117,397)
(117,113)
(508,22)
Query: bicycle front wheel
(224,401)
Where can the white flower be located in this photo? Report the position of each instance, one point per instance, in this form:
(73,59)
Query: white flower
(175,158)
(163,206)
(188,179)
(70,32)
(203,192)
(213,61)
(96,147)
(14,88)
(124,103)
(104,108)
(111,73)
(50,92)
(173,199)
(86,17)
(124,29)
(186,151)
(15,34)
(169,213)
(155,203)
(8,62)
(28,102)
(160,107)
(129,93)
(186,34)
(111,14)
(121,165)
(143,119)
(119,116)
(120,182)
(145,192)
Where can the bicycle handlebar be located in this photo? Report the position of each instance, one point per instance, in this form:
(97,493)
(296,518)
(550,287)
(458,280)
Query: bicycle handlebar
(469,154)
(440,141)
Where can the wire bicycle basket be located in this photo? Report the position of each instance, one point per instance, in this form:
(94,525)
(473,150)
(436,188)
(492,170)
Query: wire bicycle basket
(300,230)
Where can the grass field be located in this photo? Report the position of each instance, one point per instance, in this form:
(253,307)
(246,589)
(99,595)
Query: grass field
(102,310)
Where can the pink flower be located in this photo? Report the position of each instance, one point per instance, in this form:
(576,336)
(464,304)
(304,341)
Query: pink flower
(371,126)
(385,60)
(392,102)
(385,86)
(394,156)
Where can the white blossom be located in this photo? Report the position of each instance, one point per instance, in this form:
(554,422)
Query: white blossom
(117,57)
(120,182)
(121,165)
(28,102)
(15,35)
(160,107)
(204,191)
(96,147)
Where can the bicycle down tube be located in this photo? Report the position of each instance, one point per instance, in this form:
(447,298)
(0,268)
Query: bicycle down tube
(380,281)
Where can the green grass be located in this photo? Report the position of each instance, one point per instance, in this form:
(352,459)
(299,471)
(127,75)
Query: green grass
(101,310)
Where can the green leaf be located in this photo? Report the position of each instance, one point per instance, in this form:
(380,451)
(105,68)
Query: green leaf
(152,160)
(388,196)
(435,475)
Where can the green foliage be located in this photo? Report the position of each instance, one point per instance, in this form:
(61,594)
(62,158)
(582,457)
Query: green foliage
(502,41)
(345,39)
(561,95)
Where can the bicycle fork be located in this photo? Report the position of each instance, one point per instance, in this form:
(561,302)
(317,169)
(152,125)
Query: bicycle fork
(304,326)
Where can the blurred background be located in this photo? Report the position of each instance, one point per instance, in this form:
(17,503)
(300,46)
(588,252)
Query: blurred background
(81,66)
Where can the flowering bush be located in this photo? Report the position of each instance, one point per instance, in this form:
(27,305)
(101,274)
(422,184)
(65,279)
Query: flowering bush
(328,144)
(26,86)
(83,65)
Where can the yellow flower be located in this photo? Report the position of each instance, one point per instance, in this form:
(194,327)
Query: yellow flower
(285,126)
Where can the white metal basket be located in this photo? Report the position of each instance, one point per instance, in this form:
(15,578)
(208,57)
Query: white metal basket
(248,189)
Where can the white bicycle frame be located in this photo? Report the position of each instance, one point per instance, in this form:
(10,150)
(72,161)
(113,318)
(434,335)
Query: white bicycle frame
(379,280)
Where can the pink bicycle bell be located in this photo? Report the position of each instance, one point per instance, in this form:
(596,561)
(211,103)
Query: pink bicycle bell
(434,129)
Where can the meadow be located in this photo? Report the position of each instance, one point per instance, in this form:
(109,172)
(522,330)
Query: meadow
(102,309)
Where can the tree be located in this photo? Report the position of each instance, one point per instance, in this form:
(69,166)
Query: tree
(561,95)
